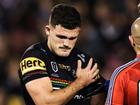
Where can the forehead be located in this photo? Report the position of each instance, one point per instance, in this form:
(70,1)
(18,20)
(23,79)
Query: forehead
(63,31)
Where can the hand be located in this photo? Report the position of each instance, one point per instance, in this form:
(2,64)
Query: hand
(87,75)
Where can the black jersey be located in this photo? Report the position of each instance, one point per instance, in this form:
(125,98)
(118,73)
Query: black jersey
(38,61)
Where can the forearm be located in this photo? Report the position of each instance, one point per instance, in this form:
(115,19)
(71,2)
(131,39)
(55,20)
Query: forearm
(42,92)
(67,93)
(59,97)
(62,96)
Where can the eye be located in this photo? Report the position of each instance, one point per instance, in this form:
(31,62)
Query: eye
(72,38)
(61,36)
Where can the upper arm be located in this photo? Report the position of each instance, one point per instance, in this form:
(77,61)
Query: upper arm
(32,66)
(118,91)
(115,94)
(34,76)
(39,90)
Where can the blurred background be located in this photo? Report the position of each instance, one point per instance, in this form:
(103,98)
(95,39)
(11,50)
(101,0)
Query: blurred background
(104,35)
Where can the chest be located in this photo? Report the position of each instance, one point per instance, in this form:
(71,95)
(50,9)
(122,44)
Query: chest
(61,73)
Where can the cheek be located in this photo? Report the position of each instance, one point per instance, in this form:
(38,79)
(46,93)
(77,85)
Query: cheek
(58,42)
(73,43)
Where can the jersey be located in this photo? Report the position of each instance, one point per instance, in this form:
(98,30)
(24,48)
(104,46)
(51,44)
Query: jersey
(38,61)
(124,86)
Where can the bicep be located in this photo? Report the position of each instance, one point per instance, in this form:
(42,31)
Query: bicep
(39,89)
(115,94)
(118,92)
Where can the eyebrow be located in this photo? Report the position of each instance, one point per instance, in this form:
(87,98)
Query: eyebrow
(64,37)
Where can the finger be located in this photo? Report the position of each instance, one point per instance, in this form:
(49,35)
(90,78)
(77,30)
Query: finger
(94,67)
(98,76)
(93,80)
(79,64)
(90,63)
(95,73)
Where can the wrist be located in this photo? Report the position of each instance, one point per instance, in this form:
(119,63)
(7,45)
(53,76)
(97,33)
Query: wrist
(76,85)
(79,83)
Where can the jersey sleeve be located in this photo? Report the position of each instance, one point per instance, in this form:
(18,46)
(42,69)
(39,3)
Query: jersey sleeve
(32,66)
(94,88)
(116,90)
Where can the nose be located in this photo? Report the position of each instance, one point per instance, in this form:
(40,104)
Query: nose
(66,42)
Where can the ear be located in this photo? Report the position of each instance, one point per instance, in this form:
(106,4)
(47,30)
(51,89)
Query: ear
(47,29)
(131,40)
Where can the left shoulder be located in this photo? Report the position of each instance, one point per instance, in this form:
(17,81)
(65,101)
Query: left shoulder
(80,55)
(84,57)
(124,70)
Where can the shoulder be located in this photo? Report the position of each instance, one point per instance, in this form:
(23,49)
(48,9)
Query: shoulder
(80,55)
(33,56)
(123,71)
(35,50)
(33,59)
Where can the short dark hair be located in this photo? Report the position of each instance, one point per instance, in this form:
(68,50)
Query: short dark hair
(65,15)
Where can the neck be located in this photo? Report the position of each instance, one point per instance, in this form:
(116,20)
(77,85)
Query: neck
(137,50)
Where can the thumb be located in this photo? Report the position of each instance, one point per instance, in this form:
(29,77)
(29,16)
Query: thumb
(79,64)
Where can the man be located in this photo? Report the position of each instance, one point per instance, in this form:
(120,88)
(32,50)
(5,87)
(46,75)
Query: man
(124,86)
(54,72)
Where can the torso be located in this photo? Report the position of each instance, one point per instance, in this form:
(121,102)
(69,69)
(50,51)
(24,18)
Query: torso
(124,85)
(60,70)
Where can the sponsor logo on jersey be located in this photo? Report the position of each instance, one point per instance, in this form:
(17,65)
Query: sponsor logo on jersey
(54,66)
(78,97)
(31,64)
(65,67)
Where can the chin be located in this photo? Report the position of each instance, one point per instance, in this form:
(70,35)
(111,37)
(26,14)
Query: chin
(65,54)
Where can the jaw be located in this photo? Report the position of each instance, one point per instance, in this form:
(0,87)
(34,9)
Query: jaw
(63,53)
